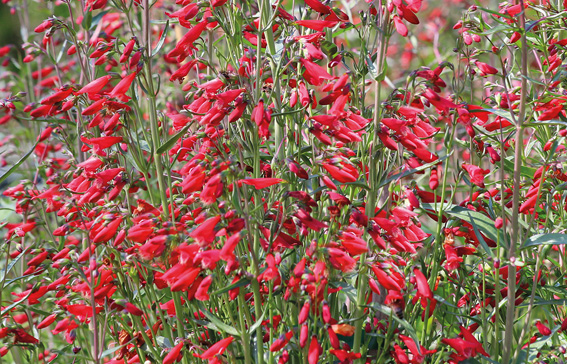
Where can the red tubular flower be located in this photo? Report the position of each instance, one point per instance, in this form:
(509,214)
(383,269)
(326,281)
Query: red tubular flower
(94,86)
(476,174)
(400,355)
(227,251)
(401,28)
(47,321)
(318,7)
(98,144)
(20,336)
(353,244)
(544,330)
(185,44)
(386,280)
(260,183)
(280,342)
(133,309)
(46,24)
(205,233)
(202,292)
(217,349)
(212,190)
(486,69)
(345,356)
(314,74)
(423,289)
(341,260)
(174,355)
(108,232)
(453,260)
(314,351)
(119,91)
(317,25)
(304,312)
(343,172)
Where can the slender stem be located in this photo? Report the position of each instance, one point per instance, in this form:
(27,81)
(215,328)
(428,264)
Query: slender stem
(511,306)
(153,110)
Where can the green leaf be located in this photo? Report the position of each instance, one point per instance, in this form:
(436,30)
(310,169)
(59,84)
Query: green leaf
(388,312)
(525,171)
(171,141)
(329,48)
(109,351)
(561,302)
(240,283)
(397,176)
(545,239)
(17,165)
(163,342)
(161,39)
(257,323)
(5,272)
(9,308)
(479,221)
(502,113)
(216,323)
(547,122)
(497,14)
(87,20)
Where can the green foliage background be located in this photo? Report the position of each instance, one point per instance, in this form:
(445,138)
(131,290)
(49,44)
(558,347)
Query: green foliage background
(9,25)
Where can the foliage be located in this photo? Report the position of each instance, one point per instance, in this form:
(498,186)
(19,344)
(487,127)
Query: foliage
(307,181)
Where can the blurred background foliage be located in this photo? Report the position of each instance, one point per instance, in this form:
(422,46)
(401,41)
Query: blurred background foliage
(9,27)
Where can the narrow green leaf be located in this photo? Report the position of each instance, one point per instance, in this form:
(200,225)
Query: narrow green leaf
(240,283)
(398,176)
(96,19)
(561,302)
(161,39)
(163,342)
(257,323)
(502,113)
(109,351)
(171,141)
(9,308)
(17,165)
(525,171)
(479,221)
(546,122)
(12,264)
(388,312)
(545,239)
(216,323)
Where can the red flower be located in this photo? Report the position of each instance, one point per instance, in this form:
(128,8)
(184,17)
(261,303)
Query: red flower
(174,355)
(205,233)
(260,183)
(119,91)
(217,349)
(318,6)
(318,25)
(544,330)
(98,144)
(47,321)
(314,74)
(401,28)
(314,351)
(95,86)
(476,174)
(453,260)
(133,309)
(486,69)
(202,292)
